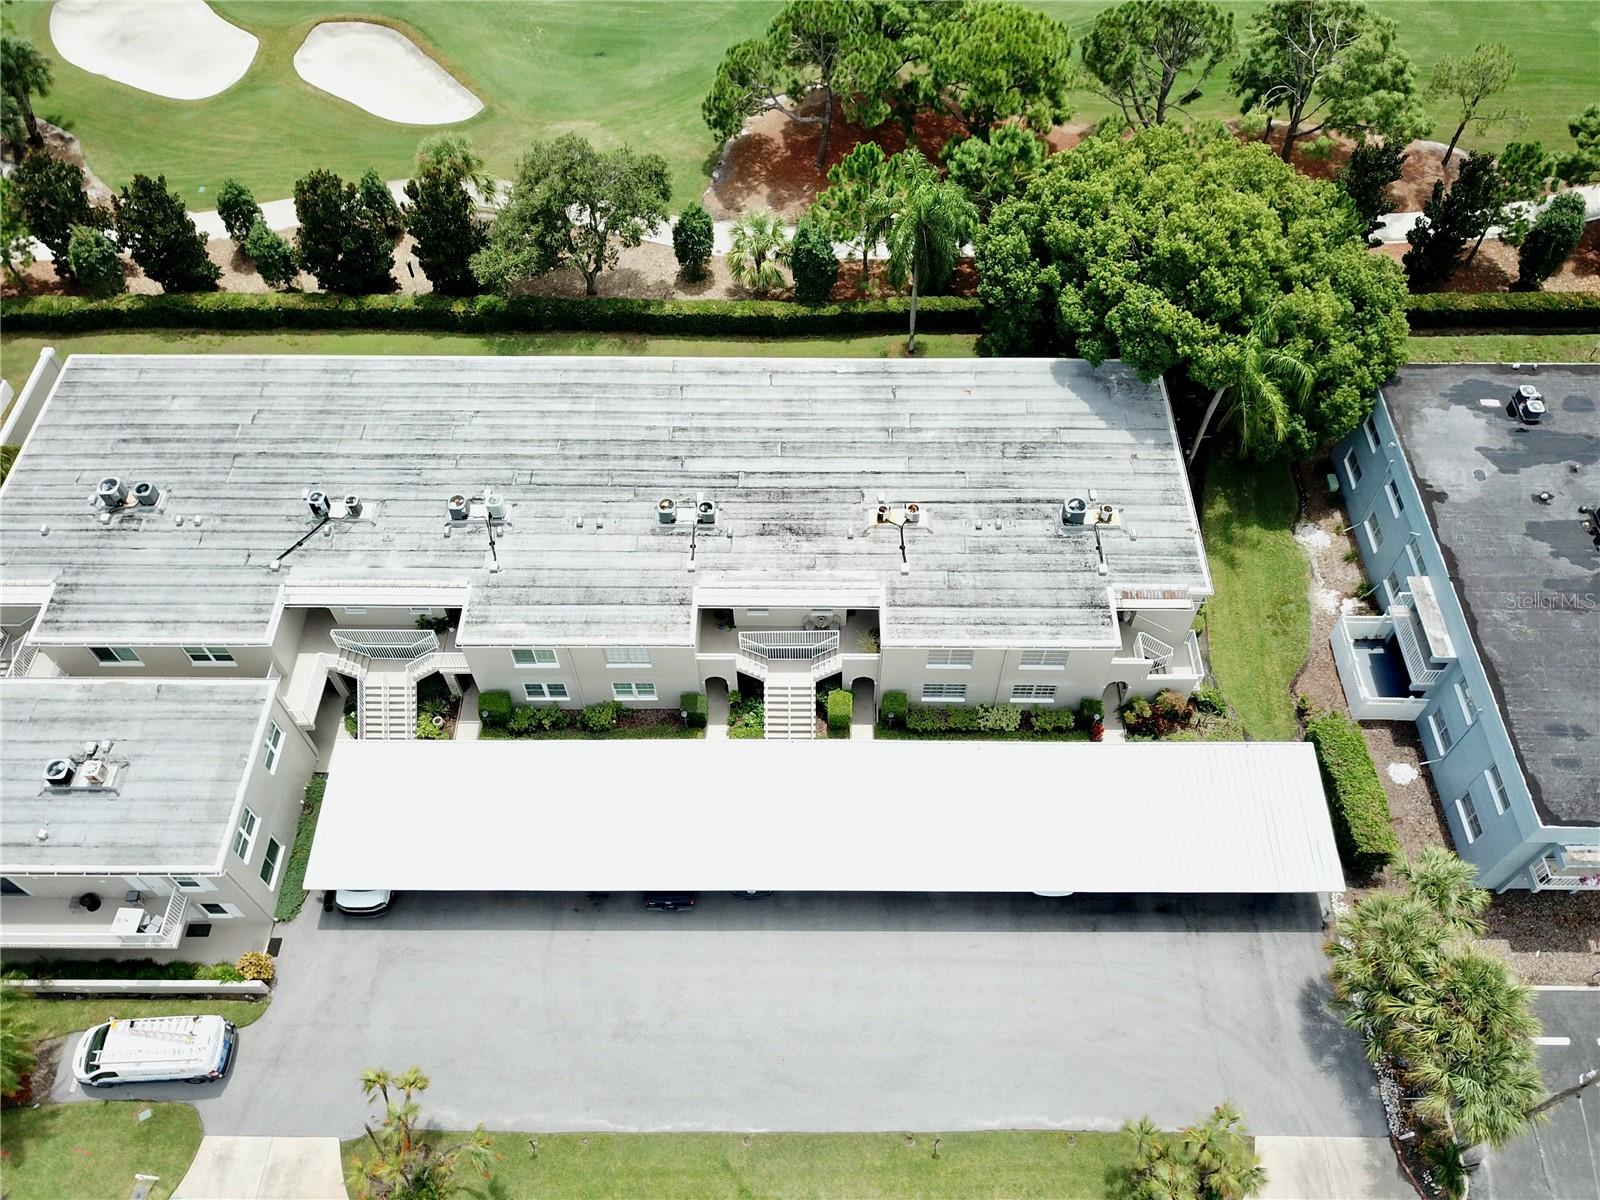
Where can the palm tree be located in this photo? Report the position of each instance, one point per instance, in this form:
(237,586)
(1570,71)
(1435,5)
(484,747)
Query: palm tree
(25,73)
(1446,884)
(1223,1161)
(406,1165)
(936,218)
(1262,380)
(17,1058)
(758,243)
(452,155)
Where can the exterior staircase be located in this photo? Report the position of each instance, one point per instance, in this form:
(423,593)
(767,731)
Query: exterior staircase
(387,705)
(790,708)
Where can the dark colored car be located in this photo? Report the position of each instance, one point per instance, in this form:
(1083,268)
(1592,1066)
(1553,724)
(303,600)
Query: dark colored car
(670,901)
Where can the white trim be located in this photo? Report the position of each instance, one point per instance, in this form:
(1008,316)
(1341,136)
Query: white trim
(627,656)
(1352,468)
(635,693)
(116,659)
(953,659)
(1444,739)
(272,747)
(545,691)
(1467,702)
(1370,428)
(1024,665)
(944,693)
(1496,784)
(1374,531)
(208,655)
(1464,806)
(1039,693)
(277,864)
(247,817)
(229,911)
(1391,489)
(536,665)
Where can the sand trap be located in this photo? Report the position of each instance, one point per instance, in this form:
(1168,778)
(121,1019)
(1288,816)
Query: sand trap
(175,48)
(382,71)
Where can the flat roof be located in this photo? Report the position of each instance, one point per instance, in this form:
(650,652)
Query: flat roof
(881,816)
(185,745)
(795,452)
(1527,572)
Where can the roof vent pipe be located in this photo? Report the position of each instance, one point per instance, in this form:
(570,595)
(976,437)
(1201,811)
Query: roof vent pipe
(110,492)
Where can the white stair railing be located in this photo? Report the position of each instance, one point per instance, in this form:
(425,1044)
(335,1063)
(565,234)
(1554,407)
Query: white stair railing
(1156,651)
(396,645)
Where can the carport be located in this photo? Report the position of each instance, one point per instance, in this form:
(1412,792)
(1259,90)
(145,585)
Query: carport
(837,816)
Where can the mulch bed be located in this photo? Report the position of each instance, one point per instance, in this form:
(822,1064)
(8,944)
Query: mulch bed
(1494,268)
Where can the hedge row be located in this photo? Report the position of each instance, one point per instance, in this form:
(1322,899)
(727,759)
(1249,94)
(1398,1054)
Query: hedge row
(237,311)
(121,968)
(1577,311)
(1356,799)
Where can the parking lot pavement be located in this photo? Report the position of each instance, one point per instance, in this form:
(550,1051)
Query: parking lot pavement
(802,1012)
(1560,1159)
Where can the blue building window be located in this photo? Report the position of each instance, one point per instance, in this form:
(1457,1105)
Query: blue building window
(1469,818)
(1440,728)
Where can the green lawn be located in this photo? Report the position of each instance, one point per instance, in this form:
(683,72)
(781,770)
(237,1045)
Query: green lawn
(52,1018)
(17,354)
(1505,347)
(1259,621)
(708,1166)
(292,892)
(627,71)
(92,1150)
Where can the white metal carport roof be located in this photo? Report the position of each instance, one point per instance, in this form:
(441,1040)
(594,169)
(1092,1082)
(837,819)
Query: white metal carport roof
(892,816)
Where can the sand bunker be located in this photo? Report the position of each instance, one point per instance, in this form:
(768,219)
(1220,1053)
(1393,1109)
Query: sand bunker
(382,71)
(175,48)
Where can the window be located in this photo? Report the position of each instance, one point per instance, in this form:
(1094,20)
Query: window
(1442,736)
(627,656)
(1037,692)
(1497,789)
(1352,468)
(1469,818)
(1394,584)
(220,911)
(272,745)
(1396,505)
(1374,532)
(944,691)
(8,888)
(1414,558)
(545,691)
(355,612)
(822,612)
(192,883)
(269,864)
(533,656)
(1370,428)
(633,691)
(949,658)
(1464,697)
(1044,659)
(115,656)
(209,655)
(421,612)
(755,612)
(244,838)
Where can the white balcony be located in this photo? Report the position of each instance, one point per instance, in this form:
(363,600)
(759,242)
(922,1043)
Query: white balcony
(1373,672)
(1171,666)
(1569,869)
(56,923)
(814,652)
(1413,641)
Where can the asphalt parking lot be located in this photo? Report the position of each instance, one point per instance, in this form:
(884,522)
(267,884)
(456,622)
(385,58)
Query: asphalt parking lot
(1560,1159)
(801,1012)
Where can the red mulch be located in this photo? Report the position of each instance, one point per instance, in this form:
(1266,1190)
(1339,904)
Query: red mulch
(1494,269)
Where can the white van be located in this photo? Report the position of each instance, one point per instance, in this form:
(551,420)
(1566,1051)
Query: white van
(155,1049)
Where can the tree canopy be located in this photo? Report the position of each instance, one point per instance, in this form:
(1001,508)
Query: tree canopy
(48,192)
(1554,236)
(1173,251)
(1138,50)
(997,169)
(573,204)
(24,74)
(343,240)
(986,62)
(154,227)
(1452,217)
(439,213)
(95,263)
(1468,83)
(1329,64)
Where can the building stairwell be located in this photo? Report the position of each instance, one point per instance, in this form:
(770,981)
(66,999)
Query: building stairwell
(790,707)
(387,704)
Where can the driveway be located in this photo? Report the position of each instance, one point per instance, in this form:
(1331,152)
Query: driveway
(801,1012)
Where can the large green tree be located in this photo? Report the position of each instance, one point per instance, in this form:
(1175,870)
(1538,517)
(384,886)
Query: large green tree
(24,74)
(1554,236)
(440,215)
(237,208)
(1373,166)
(757,249)
(1174,252)
(571,203)
(16,243)
(997,169)
(155,228)
(812,261)
(935,218)
(343,240)
(847,50)
(1582,165)
(1451,218)
(1468,84)
(1452,1020)
(988,62)
(49,194)
(1140,50)
(1329,64)
(858,203)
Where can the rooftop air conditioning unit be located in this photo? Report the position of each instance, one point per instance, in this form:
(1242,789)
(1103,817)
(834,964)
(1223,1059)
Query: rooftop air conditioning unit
(110,492)
(147,495)
(913,514)
(58,772)
(96,771)
(352,505)
(1074,510)
(457,506)
(705,511)
(495,505)
(1529,404)
(319,504)
(667,510)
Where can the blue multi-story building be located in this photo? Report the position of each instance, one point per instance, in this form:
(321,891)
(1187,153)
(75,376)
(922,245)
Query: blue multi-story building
(1476,522)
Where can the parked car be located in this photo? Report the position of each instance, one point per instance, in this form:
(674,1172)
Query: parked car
(154,1050)
(363,902)
(670,901)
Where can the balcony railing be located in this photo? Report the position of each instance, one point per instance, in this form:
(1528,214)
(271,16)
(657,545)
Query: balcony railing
(1366,703)
(1408,633)
(397,645)
(813,650)
(160,933)
(1167,660)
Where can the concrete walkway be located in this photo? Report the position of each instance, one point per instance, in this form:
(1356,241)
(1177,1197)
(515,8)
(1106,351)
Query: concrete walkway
(467,723)
(863,719)
(716,711)
(264,1168)
(1394,227)
(1331,1168)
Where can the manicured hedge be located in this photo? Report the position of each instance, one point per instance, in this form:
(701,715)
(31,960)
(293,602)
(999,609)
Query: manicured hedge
(121,968)
(494,708)
(693,707)
(893,709)
(239,311)
(1432,311)
(1356,798)
(839,706)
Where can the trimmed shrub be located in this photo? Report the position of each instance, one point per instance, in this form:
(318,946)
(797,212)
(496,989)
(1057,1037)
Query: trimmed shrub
(812,262)
(153,226)
(693,237)
(427,731)
(244,311)
(122,968)
(840,703)
(1210,701)
(893,709)
(272,254)
(238,210)
(1554,236)
(1051,720)
(253,964)
(529,719)
(494,708)
(1356,798)
(693,707)
(1091,711)
(598,718)
(999,718)
(923,718)
(95,263)
(1510,311)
